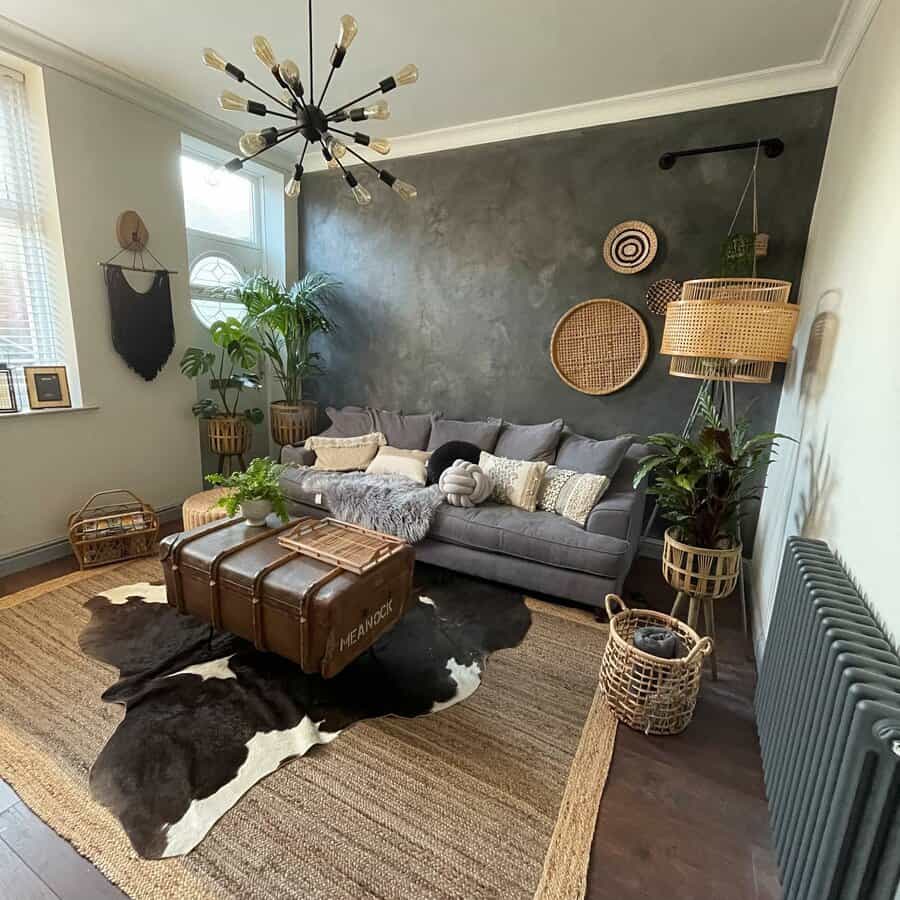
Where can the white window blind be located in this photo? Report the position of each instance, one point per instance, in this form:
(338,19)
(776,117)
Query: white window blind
(30,332)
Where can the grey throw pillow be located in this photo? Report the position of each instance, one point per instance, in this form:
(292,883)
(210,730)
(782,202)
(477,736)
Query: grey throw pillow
(584,454)
(480,433)
(404,432)
(349,421)
(532,442)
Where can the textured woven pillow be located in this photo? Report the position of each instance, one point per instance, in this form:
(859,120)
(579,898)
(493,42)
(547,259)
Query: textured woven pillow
(571,494)
(397,461)
(516,481)
(345,454)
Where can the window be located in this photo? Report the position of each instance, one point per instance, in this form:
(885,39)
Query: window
(218,203)
(209,275)
(224,226)
(30,328)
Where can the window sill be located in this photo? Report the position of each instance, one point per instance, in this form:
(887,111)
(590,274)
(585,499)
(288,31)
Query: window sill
(23,413)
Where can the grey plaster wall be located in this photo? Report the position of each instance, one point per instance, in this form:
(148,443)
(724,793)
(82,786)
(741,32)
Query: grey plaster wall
(449,302)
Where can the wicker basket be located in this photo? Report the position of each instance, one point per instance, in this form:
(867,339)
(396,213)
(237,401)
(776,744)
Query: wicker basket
(292,425)
(649,694)
(698,571)
(229,435)
(102,533)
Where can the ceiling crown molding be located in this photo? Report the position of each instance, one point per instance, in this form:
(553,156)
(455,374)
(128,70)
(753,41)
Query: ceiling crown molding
(20,41)
(846,36)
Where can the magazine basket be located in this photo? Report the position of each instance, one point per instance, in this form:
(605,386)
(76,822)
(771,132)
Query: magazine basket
(107,532)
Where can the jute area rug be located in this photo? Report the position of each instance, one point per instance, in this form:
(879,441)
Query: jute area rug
(494,797)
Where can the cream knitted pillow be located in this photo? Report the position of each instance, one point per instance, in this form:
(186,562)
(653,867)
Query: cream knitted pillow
(345,454)
(571,494)
(516,481)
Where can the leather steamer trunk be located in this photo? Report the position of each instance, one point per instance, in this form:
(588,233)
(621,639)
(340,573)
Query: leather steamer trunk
(314,613)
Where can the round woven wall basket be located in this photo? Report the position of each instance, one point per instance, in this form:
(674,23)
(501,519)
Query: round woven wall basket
(649,694)
(292,425)
(699,571)
(599,346)
(630,247)
(229,435)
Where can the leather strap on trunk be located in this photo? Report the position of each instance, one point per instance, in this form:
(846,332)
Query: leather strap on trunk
(256,604)
(215,604)
(180,543)
(307,598)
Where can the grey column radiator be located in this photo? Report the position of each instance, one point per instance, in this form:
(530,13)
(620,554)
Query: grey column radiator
(828,712)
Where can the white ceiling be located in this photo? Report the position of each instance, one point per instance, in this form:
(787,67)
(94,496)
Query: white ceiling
(478,59)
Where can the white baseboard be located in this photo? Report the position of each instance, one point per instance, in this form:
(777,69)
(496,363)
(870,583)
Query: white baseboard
(57,549)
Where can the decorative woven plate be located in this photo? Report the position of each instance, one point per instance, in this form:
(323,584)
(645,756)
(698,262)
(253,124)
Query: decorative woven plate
(661,293)
(599,346)
(630,247)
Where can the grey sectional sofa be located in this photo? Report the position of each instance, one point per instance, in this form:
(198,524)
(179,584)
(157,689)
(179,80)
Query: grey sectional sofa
(537,551)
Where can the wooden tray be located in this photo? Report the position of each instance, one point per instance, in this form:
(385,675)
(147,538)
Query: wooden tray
(351,547)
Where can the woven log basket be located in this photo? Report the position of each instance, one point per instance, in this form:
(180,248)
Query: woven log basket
(229,435)
(292,425)
(699,571)
(647,693)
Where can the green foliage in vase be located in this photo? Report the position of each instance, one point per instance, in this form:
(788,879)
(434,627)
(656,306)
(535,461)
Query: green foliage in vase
(232,369)
(703,484)
(286,321)
(259,482)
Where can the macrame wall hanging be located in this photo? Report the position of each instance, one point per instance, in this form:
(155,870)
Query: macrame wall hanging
(143,331)
(740,251)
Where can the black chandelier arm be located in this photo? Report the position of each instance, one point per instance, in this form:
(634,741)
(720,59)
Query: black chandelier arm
(262,90)
(325,89)
(362,159)
(341,131)
(283,135)
(281,115)
(343,106)
(303,152)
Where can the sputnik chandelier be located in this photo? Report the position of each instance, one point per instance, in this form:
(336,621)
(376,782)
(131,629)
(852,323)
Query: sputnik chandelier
(307,114)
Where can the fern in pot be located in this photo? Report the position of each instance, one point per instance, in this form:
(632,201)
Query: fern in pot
(231,370)
(702,486)
(255,493)
(286,320)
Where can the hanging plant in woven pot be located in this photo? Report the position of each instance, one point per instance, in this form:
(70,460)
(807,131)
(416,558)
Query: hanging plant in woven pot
(740,251)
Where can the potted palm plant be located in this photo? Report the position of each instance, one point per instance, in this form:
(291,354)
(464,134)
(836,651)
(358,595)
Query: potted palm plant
(285,321)
(702,486)
(232,369)
(255,492)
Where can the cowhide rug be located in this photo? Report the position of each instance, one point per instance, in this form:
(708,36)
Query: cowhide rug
(207,717)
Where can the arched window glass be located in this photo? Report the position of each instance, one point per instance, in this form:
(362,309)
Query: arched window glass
(210,276)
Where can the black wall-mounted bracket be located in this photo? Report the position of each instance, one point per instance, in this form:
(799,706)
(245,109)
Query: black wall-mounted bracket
(772,147)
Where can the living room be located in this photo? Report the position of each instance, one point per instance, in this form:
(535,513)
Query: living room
(461,485)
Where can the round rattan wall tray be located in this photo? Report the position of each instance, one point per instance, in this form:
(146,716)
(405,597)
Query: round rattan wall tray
(630,247)
(599,346)
(661,293)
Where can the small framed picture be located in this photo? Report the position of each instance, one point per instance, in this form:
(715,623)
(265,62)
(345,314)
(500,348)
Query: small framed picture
(8,402)
(48,387)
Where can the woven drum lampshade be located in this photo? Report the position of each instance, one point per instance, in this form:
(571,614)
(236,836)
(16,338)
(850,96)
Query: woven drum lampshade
(730,329)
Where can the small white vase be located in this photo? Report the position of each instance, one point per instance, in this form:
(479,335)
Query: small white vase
(255,511)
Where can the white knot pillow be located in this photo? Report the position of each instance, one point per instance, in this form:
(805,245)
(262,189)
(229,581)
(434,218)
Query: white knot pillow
(464,484)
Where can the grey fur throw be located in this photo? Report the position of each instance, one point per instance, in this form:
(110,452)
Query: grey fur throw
(390,504)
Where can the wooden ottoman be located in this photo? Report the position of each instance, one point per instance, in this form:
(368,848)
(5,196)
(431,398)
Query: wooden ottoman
(201,508)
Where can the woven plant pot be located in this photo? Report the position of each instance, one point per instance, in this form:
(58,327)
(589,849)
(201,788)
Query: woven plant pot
(292,425)
(229,435)
(699,571)
(649,694)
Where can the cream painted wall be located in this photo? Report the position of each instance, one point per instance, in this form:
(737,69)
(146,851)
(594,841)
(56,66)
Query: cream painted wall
(842,393)
(108,155)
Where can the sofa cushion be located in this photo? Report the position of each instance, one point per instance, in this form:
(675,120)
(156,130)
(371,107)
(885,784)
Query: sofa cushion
(517,482)
(534,442)
(349,421)
(447,454)
(345,454)
(483,434)
(401,431)
(398,461)
(571,494)
(584,454)
(542,537)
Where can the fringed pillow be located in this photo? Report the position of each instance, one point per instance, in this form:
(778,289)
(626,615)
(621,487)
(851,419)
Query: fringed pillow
(516,481)
(571,494)
(345,454)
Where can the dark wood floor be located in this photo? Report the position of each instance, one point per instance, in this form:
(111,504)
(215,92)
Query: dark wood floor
(682,818)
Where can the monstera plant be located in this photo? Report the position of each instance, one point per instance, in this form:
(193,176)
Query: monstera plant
(285,321)
(231,370)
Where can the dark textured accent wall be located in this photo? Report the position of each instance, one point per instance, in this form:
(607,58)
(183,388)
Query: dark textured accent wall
(448,302)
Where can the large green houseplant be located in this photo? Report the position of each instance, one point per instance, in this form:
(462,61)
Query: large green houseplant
(285,321)
(702,485)
(231,369)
